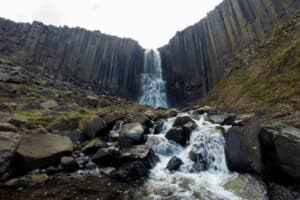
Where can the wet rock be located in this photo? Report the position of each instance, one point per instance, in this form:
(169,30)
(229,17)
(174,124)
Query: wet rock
(130,171)
(93,126)
(158,126)
(69,163)
(40,151)
(181,121)
(279,192)
(6,127)
(113,136)
(200,164)
(280,146)
(247,187)
(242,148)
(93,146)
(174,163)
(27,181)
(180,135)
(48,105)
(131,134)
(107,157)
(9,142)
(172,112)
(205,109)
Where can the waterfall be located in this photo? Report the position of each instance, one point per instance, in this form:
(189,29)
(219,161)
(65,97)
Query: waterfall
(153,85)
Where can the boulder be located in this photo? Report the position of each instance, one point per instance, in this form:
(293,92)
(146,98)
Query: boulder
(43,150)
(69,163)
(242,148)
(111,118)
(93,146)
(137,118)
(181,135)
(9,142)
(181,121)
(107,157)
(158,126)
(139,153)
(131,134)
(205,109)
(92,101)
(27,181)
(93,126)
(17,121)
(172,112)
(174,163)
(130,171)
(280,146)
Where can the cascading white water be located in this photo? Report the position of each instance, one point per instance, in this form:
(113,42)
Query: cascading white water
(153,85)
(188,183)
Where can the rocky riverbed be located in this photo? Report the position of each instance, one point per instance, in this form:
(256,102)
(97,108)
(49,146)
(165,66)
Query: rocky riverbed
(64,141)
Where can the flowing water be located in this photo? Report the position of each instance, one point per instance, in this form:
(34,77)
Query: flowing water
(189,183)
(153,85)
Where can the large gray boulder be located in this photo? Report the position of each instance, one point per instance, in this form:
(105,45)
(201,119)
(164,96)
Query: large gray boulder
(131,134)
(93,126)
(9,142)
(43,150)
(280,145)
(242,148)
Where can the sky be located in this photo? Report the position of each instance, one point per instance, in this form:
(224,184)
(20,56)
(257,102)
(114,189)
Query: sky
(151,22)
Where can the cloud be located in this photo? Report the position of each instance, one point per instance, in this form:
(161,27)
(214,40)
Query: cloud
(48,12)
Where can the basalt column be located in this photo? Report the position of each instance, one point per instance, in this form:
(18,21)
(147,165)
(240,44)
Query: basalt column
(103,62)
(197,57)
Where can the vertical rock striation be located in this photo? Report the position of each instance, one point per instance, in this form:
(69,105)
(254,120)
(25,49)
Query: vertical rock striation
(197,57)
(106,63)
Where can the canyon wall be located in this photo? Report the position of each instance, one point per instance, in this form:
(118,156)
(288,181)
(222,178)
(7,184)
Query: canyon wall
(105,63)
(197,57)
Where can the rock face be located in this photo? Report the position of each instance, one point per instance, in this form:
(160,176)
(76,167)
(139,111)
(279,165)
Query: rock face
(106,63)
(39,151)
(280,151)
(197,57)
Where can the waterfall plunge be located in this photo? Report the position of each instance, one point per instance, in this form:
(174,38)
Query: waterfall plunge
(153,85)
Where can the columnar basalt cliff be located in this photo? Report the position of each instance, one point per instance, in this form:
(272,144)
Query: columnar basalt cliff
(197,57)
(106,63)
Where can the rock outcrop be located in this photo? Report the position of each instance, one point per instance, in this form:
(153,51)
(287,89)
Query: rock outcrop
(197,57)
(105,63)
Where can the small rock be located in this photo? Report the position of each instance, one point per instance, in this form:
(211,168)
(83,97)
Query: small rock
(6,127)
(93,146)
(17,121)
(92,101)
(174,163)
(48,105)
(69,163)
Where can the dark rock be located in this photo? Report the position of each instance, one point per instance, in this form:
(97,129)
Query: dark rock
(8,107)
(280,146)
(174,163)
(172,112)
(40,151)
(27,181)
(181,121)
(9,142)
(131,134)
(75,135)
(130,171)
(140,153)
(158,126)
(92,101)
(93,126)
(242,148)
(69,163)
(93,146)
(17,121)
(107,157)
(200,164)
(138,118)
(180,135)
(206,109)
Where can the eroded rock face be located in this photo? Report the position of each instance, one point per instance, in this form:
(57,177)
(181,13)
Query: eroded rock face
(103,62)
(197,57)
(280,147)
(42,150)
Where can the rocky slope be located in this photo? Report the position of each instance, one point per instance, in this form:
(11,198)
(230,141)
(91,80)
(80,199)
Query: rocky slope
(197,57)
(106,63)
